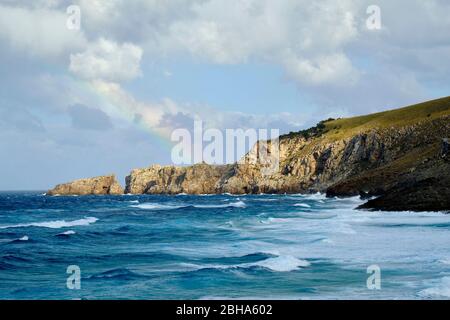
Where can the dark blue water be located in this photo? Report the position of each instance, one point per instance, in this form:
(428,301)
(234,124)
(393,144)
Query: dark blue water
(222,246)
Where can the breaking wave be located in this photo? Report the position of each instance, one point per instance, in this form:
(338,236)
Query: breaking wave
(160,206)
(304,205)
(440,290)
(54,224)
(238,204)
(277,264)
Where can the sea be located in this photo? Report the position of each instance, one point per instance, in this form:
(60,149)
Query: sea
(218,247)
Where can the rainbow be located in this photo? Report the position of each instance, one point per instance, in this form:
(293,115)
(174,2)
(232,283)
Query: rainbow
(118,104)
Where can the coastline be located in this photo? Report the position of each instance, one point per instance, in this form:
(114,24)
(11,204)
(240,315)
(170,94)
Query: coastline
(400,157)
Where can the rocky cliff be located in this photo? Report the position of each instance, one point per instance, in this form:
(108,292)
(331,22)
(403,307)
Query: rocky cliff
(98,185)
(197,179)
(385,154)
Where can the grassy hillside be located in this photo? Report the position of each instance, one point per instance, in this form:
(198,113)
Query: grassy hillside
(341,128)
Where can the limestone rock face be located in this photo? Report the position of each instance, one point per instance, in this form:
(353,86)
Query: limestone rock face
(95,186)
(196,179)
(370,161)
(416,179)
(311,165)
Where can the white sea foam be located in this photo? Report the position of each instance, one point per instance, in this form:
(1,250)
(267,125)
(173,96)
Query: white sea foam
(54,224)
(157,206)
(237,204)
(24,238)
(272,219)
(440,290)
(312,196)
(67,233)
(160,206)
(282,263)
(304,205)
(267,200)
(316,215)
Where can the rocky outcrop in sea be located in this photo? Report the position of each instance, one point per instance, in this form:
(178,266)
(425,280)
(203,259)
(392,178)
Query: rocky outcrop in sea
(97,186)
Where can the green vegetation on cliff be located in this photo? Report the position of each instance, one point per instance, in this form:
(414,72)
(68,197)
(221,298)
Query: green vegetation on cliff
(335,129)
(341,128)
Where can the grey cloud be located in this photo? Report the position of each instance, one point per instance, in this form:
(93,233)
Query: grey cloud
(178,120)
(84,117)
(19,119)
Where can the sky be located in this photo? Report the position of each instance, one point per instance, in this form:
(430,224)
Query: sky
(101,92)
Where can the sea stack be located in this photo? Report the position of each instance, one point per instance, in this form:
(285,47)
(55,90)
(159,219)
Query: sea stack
(96,186)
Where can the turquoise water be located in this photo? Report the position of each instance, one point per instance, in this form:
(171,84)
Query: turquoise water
(221,246)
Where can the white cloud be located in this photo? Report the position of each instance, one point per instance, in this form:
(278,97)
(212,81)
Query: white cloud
(106,60)
(38,32)
(329,69)
(319,36)
(313,34)
(218,32)
(123,105)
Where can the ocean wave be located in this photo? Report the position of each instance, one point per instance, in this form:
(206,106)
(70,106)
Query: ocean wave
(20,240)
(117,274)
(304,205)
(237,204)
(267,200)
(310,196)
(13,258)
(411,221)
(6,266)
(276,220)
(440,290)
(157,206)
(282,263)
(66,233)
(160,206)
(445,261)
(316,215)
(57,224)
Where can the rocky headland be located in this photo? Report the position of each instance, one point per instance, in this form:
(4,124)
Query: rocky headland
(399,159)
(98,185)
